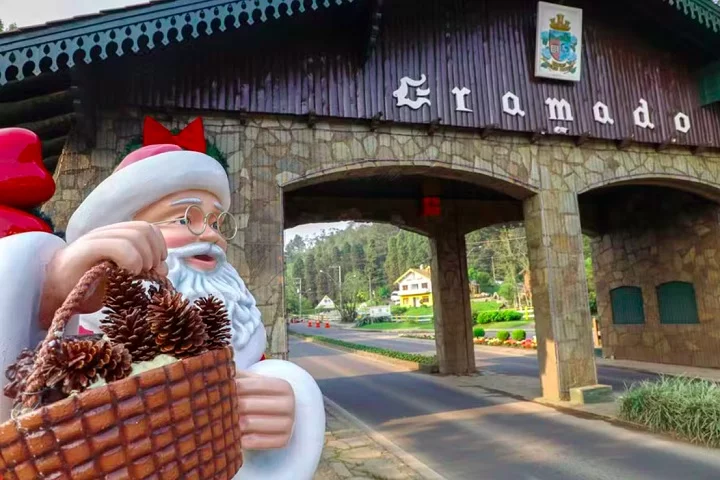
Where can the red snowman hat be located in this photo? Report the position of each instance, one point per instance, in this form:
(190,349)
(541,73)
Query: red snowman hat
(144,177)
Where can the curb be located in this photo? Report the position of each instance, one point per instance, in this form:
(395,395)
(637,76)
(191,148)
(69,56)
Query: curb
(413,463)
(412,366)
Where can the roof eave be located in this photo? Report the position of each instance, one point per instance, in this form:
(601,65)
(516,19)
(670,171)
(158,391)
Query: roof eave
(154,24)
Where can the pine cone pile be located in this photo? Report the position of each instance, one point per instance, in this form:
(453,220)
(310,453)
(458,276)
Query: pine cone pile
(139,325)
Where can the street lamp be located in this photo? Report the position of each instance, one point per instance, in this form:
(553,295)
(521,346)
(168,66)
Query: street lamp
(338,285)
(339,267)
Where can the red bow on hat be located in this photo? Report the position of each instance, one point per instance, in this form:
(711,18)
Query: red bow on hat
(191,137)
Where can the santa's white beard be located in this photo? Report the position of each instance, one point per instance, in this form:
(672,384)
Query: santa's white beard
(223,282)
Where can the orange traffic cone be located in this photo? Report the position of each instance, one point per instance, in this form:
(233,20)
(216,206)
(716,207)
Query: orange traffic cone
(309,324)
(327,324)
(317,324)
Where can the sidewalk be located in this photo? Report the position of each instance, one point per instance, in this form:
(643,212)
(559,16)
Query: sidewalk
(352,454)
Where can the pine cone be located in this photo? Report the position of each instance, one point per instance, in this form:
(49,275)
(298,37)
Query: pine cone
(124,293)
(119,366)
(133,331)
(73,364)
(18,373)
(177,328)
(217,322)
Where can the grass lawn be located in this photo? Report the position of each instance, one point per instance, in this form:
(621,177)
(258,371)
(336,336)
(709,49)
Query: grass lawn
(475,306)
(430,326)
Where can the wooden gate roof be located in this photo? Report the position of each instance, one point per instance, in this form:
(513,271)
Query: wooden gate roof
(57,45)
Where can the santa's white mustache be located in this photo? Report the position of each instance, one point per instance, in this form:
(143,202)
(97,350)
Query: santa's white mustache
(199,248)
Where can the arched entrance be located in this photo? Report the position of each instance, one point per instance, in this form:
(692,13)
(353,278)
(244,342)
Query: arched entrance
(438,202)
(657,269)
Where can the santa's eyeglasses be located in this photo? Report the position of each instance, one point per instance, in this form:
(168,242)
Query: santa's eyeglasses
(197,222)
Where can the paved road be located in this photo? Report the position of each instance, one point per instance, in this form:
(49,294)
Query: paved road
(486,359)
(478,435)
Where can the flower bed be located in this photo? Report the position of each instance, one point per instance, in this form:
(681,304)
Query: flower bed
(418,335)
(527,344)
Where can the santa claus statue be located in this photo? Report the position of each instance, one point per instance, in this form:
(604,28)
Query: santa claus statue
(167,209)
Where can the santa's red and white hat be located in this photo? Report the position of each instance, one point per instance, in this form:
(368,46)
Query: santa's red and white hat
(144,177)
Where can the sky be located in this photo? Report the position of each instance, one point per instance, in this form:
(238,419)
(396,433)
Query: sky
(312,230)
(34,12)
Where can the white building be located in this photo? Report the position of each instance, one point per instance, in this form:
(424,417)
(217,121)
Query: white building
(326,304)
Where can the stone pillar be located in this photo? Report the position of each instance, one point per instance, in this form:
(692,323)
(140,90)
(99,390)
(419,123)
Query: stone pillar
(560,298)
(451,298)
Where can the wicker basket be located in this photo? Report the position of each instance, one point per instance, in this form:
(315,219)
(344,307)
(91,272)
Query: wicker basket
(175,422)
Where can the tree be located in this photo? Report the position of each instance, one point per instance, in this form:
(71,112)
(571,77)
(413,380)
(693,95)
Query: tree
(483,279)
(323,286)
(404,260)
(311,274)
(10,28)
(590,274)
(352,297)
(372,267)
(392,268)
(358,258)
(295,248)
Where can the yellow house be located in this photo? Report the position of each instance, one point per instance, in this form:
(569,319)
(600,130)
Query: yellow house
(415,288)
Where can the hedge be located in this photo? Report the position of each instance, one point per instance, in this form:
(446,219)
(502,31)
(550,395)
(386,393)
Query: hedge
(478,332)
(519,335)
(498,316)
(409,357)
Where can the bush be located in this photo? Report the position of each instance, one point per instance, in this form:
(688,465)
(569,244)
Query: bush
(503,335)
(398,310)
(685,407)
(519,335)
(478,332)
(498,316)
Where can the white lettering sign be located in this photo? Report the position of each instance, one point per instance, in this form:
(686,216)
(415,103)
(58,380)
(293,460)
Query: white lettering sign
(559,109)
(641,115)
(511,104)
(402,93)
(682,123)
(601,113)
(460,95)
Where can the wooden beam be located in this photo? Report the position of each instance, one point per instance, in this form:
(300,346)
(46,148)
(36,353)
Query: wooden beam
(51,126)
(50,104)
(51,163)
(33,86)
(54,146)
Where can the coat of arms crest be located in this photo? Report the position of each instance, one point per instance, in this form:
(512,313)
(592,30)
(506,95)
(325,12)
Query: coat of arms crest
(559,42)
(560,52)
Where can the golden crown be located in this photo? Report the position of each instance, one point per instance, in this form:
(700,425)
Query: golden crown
(559,23)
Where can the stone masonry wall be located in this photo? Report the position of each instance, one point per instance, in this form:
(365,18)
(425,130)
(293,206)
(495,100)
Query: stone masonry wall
(268,154)
(653,237)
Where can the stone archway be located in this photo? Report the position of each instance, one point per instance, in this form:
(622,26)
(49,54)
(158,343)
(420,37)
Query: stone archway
(390,192)
(651,232)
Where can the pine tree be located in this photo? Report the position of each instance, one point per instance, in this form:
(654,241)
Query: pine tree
(404,248)
(372,266)
(310,281)
(358,258)
(391,262)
